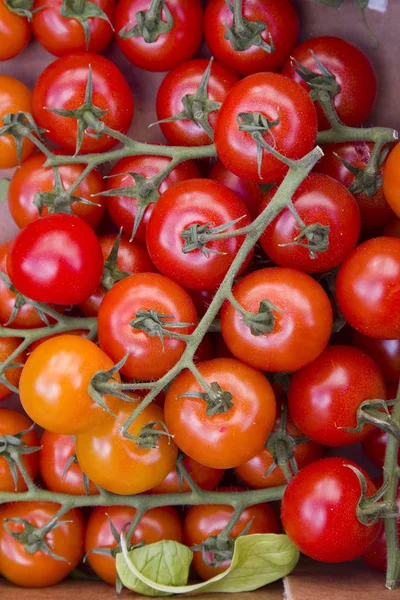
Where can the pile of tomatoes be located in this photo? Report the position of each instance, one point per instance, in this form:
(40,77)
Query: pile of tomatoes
(110,283)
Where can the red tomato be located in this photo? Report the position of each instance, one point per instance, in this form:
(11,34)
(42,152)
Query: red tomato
(148,357)
(31,178)
(249,191)
(319,511)
(391,180)
(282,25)
(368,288)
(123,209)
(156,524)
(386,354)
(206,478)
(7,346)
(14,97)
(392,229)
(324,396)
(302,320)
(11,423)
(132,258)
(202,300)
(169,49)
(56,259)
(352,70)
(375,443)
(374,210)
(319,199)
(183,81)
(228,438)
(15,32)
(56,452)
(204,521)
(38,569)
(277,98)
(195,202)
(60,35)
(62,86)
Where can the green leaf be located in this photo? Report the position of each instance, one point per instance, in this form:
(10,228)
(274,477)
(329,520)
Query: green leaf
(4,185)
(258,560)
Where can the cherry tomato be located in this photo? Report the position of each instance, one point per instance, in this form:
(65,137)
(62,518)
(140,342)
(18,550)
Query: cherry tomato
(15,32)
(56,259)
(368,288)
(132,258)
(156,524)
(375,443)
(62,86)
(149,357)
(183,81)
(277,98)
(14,97)
(32,178)
(238,430)
(7,346)
(391,179)
(169,49)
(121,465)
(54,385)
(386,354)
(282,29)
(55,456)
(319,199)
(392,229)
(123,209)
(301,320)
(204,521)
(352,71)
(60,35)
(319,511)
(12,423)
(38,569)
(249,191)
(196,202)
(205,477)
(374,210)
(324,396)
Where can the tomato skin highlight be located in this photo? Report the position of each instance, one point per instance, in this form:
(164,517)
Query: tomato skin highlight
(156,524)
(11,423)
(7,346)
(330,490)
(14,97)
(205,477)
(226,440)
(15,33)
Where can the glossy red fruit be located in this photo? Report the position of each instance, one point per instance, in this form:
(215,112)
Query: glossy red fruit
(386,354)
(15,32)
(249,191)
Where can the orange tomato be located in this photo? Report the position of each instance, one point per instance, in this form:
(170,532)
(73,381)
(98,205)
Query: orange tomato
(14,97)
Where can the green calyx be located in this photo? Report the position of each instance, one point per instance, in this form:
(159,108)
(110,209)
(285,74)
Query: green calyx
(149,23)
(19,302)
(216,549)
(12,447)
(155,324)
(197,236)
(323,82)
(243,34)
(258,125)
(376,412)
(34,538)
(366,181)
(82,11)
(263,321)
(20,125)
(314,237)
(148,436)
(372,508)
(110,272)
(22,8)
(218,401)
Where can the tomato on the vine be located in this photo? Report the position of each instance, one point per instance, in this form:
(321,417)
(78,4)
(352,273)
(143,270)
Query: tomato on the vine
(391,179)
(386,354)
(249,191)
(206,478)
(374,445)
(15,97)
(127,466)
(8,345)
(15,32)
(12,423)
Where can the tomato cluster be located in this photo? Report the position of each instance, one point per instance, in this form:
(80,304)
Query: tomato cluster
(142,324)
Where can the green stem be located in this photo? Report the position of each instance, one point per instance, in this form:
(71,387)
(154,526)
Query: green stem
(155,10)
(86,171)
(238,16)
(27,478)
(232,521)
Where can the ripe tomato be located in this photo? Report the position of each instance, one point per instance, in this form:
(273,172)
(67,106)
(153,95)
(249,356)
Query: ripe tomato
(392,229)
(14,97)
(324,396)
(183,81)
(352,70)
(15,32)
(206,478)
(31,178)
(148,356)
(169,49)
(278,99)
(195,202)
(38,569)
(60,35)
(282,25)
(319,511)
(120,465)
(374,210)
(368,288)
(54,385)
(391,179)
(62,86)
(386,354)
(56,259)
(375,443)
(302,320)
(11,423)
(7,346)
(319,199)
(204,521)
(156,524)
(56,452)
(132,258)
(122,209)
(249,191)
(237,431)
